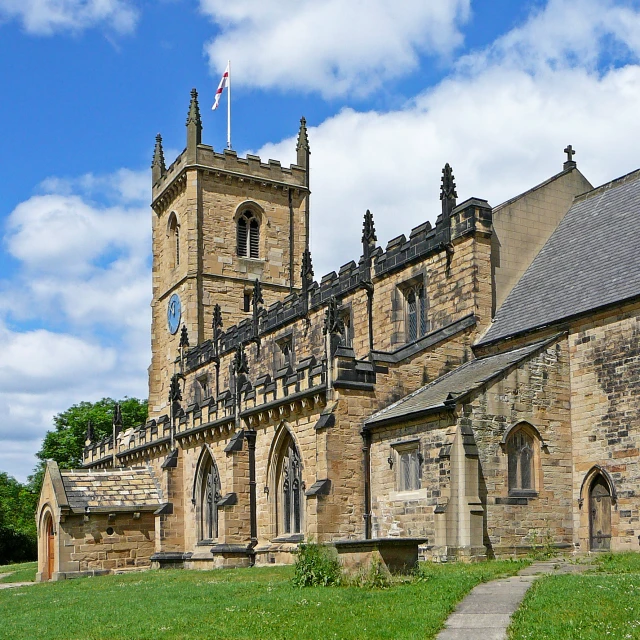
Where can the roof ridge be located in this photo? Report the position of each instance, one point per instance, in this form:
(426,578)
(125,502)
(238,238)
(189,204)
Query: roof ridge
(612,184)
(544,183)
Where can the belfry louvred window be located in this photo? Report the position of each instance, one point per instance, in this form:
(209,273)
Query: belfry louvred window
(248,235)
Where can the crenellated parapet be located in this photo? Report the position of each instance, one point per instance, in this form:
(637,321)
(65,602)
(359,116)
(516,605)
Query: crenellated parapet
(254,402)
(230,168)
(471,216)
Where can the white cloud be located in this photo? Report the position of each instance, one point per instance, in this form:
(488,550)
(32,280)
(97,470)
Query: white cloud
(501,122)
(46,17)
(565,33)
(330,46)
(42,361)
(66,234)
(76,319)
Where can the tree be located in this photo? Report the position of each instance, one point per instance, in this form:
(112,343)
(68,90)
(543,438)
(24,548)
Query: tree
(65,442)
(17,524)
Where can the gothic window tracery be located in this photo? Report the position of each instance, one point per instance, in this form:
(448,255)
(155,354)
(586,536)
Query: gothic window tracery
(248,235)
(207,499)
(416,312)
(520,461)
(290,490)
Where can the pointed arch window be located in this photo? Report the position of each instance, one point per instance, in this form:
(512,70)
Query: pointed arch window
(207,496)
(521,448)
(248,235)
(290,489)
(416,312)
(173,232)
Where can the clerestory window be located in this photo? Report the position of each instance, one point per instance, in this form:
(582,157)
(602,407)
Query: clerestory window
(416,313)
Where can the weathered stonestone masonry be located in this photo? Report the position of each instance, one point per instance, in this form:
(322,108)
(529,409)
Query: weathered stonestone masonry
(536,392)
(401,397)
(411,511)
(523,224)
(605,405)
(90,523)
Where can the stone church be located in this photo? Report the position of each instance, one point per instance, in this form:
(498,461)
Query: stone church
(470,390)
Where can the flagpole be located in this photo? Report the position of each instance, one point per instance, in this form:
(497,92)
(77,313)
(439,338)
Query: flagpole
(229,105)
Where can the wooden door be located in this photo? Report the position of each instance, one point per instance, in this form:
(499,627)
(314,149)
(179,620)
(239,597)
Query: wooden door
(50,548)
(600,515)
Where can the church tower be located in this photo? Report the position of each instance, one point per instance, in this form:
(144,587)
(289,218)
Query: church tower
(219,223)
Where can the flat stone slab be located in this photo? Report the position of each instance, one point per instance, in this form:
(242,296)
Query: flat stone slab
(464,634)
(478,621)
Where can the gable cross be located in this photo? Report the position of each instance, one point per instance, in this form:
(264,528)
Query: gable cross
(570,153)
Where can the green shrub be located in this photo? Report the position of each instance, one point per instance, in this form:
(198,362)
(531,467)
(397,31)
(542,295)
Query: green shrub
(377,577)
(316,567)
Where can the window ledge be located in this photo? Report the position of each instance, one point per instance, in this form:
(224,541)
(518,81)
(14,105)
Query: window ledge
(523,493)
(414,494)
(207,543)
(252,260)
(518,498)
(296,537)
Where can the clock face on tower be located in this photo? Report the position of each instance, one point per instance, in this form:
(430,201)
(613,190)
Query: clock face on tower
(174,311)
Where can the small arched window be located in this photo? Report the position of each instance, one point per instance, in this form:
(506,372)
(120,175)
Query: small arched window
(520,460)
(173,231)
(248,235)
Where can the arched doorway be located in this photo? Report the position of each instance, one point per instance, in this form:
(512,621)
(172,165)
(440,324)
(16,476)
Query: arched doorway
(599,514)
(49,546)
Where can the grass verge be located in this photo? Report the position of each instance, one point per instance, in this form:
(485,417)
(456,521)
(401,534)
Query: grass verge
(23,572)
(604,603)
(242,603)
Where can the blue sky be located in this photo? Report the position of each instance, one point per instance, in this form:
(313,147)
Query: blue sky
(391,91)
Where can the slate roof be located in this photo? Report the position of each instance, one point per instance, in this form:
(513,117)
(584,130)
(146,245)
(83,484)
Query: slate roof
(449,387)
(128,487)
(590,261)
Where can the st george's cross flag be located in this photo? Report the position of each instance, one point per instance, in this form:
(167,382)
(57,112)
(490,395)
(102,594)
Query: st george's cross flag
(221,87)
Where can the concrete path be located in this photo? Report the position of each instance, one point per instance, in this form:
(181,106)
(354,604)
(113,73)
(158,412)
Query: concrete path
(486,612)
(12,585)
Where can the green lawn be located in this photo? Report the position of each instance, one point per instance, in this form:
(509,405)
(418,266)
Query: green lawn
(598,605)
(242,603)
(24,572)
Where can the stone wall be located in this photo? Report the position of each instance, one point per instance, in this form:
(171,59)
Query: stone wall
(536,392)
(605,389)
(522,225)
(88,546)
(411,512)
